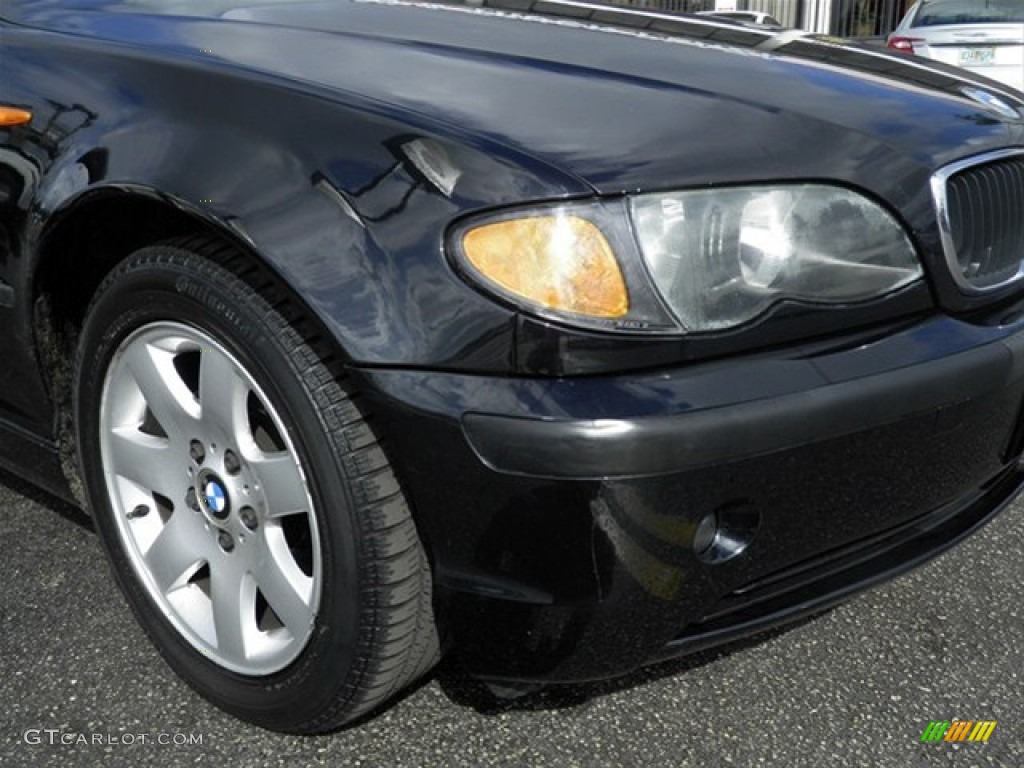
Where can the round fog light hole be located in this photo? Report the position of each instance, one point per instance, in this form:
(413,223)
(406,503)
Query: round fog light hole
(724,534)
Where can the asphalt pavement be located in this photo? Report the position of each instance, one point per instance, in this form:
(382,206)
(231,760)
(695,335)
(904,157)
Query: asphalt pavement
(81,685)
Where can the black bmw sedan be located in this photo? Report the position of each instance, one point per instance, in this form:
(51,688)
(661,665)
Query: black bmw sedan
(557,338)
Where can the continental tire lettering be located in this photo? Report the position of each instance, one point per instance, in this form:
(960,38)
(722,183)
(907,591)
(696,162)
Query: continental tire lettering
(204,295)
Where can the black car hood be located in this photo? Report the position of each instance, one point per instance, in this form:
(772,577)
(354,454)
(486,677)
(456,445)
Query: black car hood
(621,100)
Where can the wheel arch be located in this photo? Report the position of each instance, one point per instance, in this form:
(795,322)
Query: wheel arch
(86,240)
(103,227)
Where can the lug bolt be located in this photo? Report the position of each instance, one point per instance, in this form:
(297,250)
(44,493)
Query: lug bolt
(226,542)
(249,519)
(196,451)
(140,511)
(231,463)
(192,500)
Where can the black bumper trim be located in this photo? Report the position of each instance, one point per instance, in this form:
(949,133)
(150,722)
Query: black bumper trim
(660,445)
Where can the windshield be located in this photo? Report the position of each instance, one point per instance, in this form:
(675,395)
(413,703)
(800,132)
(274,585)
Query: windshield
(970,12)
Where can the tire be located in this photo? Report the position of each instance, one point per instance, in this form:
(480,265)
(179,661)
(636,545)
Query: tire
(249,513)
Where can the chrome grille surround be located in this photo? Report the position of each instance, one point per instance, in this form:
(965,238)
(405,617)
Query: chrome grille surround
(996,264)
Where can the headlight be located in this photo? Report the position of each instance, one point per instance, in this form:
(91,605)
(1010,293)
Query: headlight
(722,257)
(689,262)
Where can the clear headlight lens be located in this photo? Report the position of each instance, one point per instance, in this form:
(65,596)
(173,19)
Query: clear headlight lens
(719,258)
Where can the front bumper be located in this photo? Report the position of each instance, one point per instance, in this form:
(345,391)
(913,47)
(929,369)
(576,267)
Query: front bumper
(561,514)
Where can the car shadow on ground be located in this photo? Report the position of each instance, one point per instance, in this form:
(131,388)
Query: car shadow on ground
(46,499)
(464,690)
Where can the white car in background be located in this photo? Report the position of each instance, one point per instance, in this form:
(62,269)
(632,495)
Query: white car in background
(756,18)
(986,36)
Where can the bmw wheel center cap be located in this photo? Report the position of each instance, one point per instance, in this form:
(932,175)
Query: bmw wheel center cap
(215,497)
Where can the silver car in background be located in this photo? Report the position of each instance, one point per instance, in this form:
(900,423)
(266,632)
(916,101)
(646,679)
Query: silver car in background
(986,36)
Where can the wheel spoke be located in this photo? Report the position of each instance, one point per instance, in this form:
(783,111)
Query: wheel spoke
(286,588)
(165,393)
(222,397)
(175,553)
(144,459)
(281,483)
(234,605)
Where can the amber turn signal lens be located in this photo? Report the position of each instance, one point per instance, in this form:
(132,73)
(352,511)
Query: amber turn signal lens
(559,262)
(14,116)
